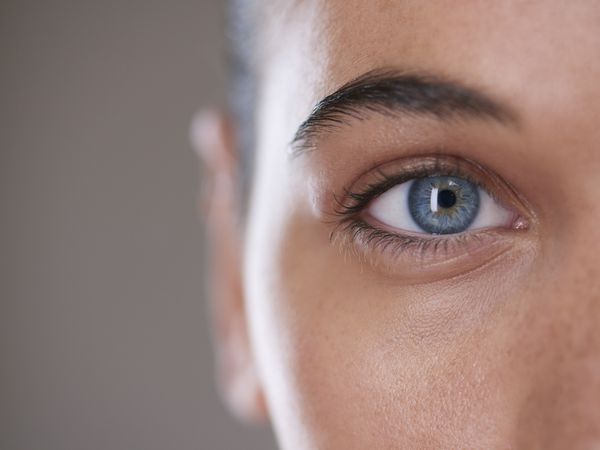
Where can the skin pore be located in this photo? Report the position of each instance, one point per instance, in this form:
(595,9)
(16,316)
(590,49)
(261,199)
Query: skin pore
(348,332)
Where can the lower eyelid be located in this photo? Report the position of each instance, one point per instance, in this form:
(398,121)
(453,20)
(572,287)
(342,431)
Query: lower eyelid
(424,258)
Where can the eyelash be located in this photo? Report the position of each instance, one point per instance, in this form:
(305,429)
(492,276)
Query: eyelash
(352,227)
(385,241)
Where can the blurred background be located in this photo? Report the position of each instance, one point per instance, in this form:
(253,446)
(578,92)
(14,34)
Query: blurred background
(104,338)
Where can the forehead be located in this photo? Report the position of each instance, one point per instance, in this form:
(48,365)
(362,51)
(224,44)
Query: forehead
(332,41)
(314,46)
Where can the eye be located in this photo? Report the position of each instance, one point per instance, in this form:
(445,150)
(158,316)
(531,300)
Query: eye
(438,205)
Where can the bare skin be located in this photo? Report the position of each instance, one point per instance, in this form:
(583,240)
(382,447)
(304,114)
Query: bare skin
(493,342)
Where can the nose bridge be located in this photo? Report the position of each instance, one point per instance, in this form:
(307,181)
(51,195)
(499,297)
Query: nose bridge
(581,267)
(575,254)
(566,396)
(562,408)
(578,288)
(578,319)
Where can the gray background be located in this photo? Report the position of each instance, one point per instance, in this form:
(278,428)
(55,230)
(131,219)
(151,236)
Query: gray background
(103,336)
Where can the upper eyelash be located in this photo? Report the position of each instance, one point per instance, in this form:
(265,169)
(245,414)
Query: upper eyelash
(354,202)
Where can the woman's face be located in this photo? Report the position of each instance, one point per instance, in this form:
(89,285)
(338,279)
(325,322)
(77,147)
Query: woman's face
(421,264)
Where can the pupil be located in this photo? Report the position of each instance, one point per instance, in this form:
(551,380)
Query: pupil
(446,198)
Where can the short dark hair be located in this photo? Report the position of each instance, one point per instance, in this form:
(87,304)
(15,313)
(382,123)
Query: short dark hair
(242,15)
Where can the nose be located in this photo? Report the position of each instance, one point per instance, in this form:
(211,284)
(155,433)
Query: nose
(561,409)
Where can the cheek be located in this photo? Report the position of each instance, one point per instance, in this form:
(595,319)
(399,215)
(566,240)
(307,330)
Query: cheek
(351,359)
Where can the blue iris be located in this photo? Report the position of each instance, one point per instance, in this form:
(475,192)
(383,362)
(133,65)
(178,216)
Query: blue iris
(443,204)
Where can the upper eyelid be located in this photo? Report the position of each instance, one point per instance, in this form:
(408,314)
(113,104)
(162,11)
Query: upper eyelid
(354,199)
(386,182)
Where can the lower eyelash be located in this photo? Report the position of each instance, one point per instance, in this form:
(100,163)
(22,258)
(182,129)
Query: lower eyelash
(356,233)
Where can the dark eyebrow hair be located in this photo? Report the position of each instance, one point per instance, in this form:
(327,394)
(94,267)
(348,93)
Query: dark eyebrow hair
(391,92)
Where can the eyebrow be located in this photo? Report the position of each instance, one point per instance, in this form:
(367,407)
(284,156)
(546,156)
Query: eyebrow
(392,93)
